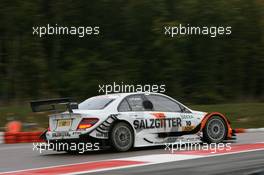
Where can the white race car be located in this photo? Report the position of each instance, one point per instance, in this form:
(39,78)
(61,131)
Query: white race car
(128,120)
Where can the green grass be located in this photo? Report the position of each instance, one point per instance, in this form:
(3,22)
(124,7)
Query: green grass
(241,115)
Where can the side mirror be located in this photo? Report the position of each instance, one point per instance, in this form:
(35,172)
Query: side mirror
(147,105)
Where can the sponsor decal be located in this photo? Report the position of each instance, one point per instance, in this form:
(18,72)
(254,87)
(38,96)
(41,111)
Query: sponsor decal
(187,128)
(157,123)
(76,133)
(101,135)
(61,134)
(186,116)
(159,115)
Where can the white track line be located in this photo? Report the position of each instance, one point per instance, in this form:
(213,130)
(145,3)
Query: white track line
(149,159)
(161,158)
(2,139)
(108,169)
(254,130)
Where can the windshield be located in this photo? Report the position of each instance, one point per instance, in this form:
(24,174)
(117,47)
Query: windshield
(95,103)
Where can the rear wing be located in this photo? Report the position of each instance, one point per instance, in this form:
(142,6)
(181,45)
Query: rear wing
(53,105)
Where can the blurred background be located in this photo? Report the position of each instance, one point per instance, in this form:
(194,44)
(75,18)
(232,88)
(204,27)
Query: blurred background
(223,74)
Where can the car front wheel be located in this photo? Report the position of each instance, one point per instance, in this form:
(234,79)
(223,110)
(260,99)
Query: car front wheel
(215,130)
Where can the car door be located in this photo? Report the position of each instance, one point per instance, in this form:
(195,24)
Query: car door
(165,111)
(174,116)
(142,121)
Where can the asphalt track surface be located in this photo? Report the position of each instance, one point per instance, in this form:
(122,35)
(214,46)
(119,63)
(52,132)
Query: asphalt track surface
(15,157)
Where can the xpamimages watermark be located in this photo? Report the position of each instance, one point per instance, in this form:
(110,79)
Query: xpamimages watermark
(80,31)
(127,88)
(62,146)
(195,146)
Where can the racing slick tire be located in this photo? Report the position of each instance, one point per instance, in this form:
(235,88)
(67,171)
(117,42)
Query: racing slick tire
(215,130)
(122,137)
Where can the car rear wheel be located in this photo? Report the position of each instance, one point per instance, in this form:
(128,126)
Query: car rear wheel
(215,130)
(122,137)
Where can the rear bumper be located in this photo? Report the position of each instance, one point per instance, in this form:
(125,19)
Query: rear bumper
(62,135)
(83,140)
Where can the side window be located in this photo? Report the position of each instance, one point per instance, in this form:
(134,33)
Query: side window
(163,104)
(135,102)
(124,106)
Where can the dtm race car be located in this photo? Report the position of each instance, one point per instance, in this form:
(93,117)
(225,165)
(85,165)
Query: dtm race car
(128,120)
